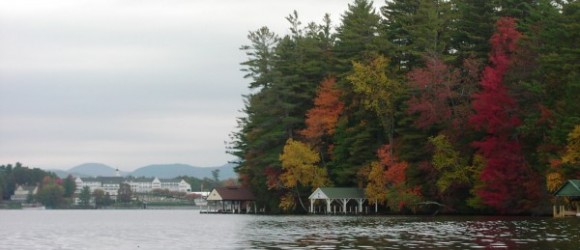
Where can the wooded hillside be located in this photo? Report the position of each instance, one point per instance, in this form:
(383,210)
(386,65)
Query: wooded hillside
(472,104)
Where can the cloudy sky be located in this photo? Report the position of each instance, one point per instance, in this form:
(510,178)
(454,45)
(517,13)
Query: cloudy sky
(129,82)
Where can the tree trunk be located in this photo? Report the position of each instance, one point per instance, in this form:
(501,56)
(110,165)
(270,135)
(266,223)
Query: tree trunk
(300,199)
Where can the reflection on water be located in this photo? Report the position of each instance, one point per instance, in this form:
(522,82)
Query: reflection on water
(406,232)
(187,229)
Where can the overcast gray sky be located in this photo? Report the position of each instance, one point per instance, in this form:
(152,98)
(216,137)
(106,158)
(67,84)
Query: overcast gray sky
(130,82)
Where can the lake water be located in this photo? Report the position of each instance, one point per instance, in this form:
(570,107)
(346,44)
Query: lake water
(187,229)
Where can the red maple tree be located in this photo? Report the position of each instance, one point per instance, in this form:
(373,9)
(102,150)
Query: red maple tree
(435,84)
(509,184)
(394,169)
(442,94)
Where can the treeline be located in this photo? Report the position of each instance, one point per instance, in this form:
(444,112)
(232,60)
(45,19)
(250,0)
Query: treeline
(17,174)
(53,192)
(471,104)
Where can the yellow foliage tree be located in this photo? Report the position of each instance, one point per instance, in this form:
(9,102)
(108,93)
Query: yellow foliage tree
(300,169)
(452,168)
(553,181)
(572,155)
(287,202)
(376,190)
(379,93)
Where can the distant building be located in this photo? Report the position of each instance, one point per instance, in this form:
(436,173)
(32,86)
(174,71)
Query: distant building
(110,185)
(22,193)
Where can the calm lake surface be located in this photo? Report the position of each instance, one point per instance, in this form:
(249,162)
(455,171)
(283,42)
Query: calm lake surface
(187,229)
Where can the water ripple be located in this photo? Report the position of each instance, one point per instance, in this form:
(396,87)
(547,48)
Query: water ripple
(187,229)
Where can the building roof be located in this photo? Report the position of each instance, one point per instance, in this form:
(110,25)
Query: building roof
(104,180)
(569,188)
(140,179)
(118,179)
(231,194)
(27,188)
(338,193)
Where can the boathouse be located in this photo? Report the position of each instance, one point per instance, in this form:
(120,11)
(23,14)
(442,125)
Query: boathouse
(230,200)
(338,200)
(571,191)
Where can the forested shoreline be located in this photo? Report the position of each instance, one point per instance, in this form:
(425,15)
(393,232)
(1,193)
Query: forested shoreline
(470,104)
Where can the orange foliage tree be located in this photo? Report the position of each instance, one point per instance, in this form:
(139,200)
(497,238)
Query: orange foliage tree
(321,119)
(399,194)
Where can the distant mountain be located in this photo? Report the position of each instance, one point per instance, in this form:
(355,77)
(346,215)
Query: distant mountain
(174,170)
(92,169)
(160,170)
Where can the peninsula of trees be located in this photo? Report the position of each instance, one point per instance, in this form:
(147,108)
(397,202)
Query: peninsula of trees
(471,104)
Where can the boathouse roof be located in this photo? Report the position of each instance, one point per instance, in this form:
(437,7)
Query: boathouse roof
(338,193)
(231,194)
(569,188)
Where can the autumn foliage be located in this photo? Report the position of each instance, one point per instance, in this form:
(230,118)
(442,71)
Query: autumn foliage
(436,84)
(299,171)
(508,180)
(462,109)
(399,193)
(442,93)
(321,119)
(572,154)
(395,170)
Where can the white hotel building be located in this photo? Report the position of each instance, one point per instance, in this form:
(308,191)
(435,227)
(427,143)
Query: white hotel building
(111,185)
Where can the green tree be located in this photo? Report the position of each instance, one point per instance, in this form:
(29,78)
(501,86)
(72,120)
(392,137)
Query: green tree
(358,35)
(124,194)
(85,197)
(9,182)
(99,196)
(395,30)
(260,54)
(358,132)
(416,29)
(559,70)
(216,175)
(276,111)
(2,184)
(520,9)
(18,174)
(69,186)
(107,201)
(50,193)
(431,32)
(472,29)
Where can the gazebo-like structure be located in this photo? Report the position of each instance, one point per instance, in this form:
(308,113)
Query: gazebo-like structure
(340,195)
(570,190)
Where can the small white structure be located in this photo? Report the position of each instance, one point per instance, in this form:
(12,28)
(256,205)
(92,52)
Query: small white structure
(339,195)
